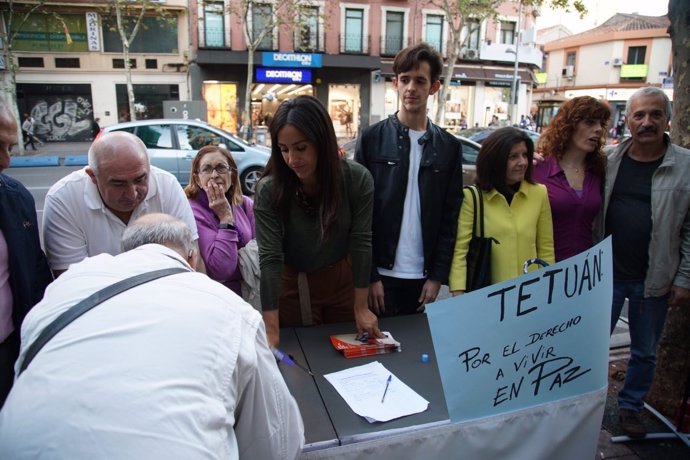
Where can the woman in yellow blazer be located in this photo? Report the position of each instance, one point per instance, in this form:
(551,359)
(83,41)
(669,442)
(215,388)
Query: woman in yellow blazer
(516,210)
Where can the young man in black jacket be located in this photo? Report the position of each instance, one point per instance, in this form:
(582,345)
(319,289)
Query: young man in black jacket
(417,169)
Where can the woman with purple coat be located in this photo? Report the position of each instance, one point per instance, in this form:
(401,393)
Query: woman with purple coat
(224,217)
(573,171)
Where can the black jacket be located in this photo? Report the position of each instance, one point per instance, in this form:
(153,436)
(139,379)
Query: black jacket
(384,149)
(29,272)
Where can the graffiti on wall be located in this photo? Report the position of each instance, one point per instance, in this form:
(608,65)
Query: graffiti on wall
(63,118)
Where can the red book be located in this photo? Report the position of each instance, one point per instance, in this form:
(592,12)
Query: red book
(352,347)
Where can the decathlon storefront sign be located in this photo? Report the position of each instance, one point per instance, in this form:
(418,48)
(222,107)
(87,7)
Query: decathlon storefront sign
(272,75)
(270,59)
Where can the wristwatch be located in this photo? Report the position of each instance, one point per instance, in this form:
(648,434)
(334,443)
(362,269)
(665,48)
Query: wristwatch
(227,227)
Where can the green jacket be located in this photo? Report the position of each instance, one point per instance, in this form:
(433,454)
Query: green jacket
(297,243)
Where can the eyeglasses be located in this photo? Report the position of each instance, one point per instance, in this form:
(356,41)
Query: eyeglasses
(220,169)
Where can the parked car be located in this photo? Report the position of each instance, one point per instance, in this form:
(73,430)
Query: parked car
(479,134)
(173,144)
(470,149)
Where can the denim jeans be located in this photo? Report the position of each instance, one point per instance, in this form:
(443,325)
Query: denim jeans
(646,317)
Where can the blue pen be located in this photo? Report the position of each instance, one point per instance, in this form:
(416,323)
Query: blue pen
(287,360)
(388,382)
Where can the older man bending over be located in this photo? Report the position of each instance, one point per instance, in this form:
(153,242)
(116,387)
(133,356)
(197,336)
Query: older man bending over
(87,211)
(176,368)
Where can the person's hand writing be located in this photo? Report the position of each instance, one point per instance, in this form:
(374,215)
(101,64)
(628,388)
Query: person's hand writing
(679,297)
(429,293)
(376,297)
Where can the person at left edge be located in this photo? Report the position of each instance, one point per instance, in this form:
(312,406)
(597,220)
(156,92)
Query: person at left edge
(224,217)
(86,211)
(176,368)
(313,225)
(24,272)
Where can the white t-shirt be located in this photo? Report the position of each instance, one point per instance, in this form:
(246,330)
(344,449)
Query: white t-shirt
(409,255)
(177,368)
(76,223)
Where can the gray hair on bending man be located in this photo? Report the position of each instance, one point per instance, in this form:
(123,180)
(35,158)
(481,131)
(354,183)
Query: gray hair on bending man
(163,229)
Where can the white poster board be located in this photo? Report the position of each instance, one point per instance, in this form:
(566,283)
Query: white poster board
(535,339)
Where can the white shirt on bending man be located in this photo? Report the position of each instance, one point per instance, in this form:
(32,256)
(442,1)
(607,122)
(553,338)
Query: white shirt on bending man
(175,368)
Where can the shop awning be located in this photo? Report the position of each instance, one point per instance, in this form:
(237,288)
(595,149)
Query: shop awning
(477,73)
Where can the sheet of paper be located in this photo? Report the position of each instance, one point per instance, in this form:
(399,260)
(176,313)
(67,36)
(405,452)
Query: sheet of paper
(362,387)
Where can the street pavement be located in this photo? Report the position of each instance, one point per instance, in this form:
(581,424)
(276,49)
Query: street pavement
(656,449)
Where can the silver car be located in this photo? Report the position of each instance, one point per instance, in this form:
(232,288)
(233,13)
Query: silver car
(470,150)
(173,144)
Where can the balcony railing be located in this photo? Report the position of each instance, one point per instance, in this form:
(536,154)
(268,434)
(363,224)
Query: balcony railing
(308,43)
(391,44)
(354,44)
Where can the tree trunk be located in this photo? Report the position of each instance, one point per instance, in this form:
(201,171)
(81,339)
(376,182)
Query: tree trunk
(448,75)
(247,115)
(673,361)
(130,86)
(10,90)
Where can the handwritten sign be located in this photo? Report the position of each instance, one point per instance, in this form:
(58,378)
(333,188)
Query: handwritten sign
(541,337)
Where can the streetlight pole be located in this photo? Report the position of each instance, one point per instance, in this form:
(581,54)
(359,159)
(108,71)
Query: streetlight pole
(512,107)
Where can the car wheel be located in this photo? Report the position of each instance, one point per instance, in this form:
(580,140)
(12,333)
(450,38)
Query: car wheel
(249,178)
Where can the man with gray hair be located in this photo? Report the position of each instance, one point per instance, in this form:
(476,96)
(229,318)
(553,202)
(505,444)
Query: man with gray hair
(86,212)
(647,183)
(178,367)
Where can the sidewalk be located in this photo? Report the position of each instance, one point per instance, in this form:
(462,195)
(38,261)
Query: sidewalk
(56,148)
(650,449)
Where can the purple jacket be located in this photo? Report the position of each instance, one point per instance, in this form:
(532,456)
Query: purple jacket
(573,216)
(219,247)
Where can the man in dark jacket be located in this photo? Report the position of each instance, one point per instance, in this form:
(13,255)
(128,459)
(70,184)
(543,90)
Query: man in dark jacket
(417,169)
(24,272)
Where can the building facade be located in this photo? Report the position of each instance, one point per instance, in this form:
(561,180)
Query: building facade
(342,53)
(609,62)
(70,64)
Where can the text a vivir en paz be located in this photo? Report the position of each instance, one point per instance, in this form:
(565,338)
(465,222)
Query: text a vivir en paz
(534,355)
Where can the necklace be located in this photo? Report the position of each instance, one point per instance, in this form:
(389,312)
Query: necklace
(577,169)
(304,202)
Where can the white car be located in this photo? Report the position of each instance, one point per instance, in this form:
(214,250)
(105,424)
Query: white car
(173,144)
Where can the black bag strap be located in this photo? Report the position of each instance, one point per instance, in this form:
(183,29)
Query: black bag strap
(477,216)
(87,304)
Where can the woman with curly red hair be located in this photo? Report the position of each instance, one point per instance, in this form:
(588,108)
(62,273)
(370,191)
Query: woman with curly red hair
(573,171)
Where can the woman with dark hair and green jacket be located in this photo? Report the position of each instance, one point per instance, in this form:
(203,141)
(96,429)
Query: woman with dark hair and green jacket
(313,214)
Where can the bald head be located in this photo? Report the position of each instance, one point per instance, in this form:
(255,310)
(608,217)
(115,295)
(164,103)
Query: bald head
(119,166)
(158,228)
(8,134)
(116,147)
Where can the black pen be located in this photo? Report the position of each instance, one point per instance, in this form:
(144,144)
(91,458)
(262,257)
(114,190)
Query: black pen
(388,382)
